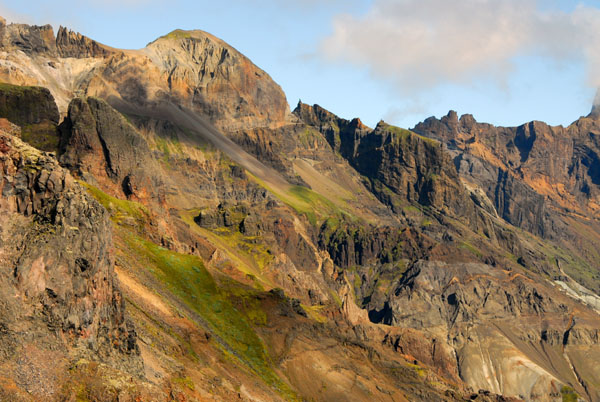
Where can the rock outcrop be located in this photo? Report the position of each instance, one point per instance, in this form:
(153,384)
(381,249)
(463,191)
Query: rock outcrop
(402,167)
(74,44)
(27,105)
(31,39)
(97,142)
(214,79)
(34,110)
(40,40)
(58,289)
(557,163)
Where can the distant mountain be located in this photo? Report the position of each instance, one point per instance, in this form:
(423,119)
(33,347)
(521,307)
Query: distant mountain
(180,234)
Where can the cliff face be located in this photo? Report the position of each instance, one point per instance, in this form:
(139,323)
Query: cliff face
(217,81)
(34,110)
(30,39)
(74,44)
(40,40)
(539,178)
(401,167)
(27,105)
(59,292)
(555,162)
(98,142)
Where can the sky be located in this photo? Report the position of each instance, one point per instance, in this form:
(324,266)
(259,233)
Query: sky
(506,62)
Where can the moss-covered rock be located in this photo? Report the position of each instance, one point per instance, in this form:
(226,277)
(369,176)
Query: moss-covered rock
(34,109)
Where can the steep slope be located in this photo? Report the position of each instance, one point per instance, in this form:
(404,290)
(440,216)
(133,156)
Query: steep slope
(539,178)
(60,298)
(235,327)
(33,109)
(448,296)
(260,250)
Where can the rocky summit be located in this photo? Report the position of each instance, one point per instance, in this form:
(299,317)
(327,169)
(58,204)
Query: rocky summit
(171,230)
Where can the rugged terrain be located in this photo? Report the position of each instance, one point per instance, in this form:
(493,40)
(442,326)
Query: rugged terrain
(180,234)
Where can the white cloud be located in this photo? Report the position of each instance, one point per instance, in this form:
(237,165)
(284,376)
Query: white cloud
(421,44)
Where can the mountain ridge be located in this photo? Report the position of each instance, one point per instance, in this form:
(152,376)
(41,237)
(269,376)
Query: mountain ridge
(260,249)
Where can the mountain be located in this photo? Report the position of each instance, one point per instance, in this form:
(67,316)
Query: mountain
(175,232)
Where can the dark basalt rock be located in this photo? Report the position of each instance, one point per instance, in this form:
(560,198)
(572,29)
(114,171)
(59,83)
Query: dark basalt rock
(342,135)
(24,105)
(74,44)
(34,110)
(400,166)
(55,242)
(96,138)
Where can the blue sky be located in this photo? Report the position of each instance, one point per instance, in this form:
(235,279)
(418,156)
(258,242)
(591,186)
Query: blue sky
(504,61)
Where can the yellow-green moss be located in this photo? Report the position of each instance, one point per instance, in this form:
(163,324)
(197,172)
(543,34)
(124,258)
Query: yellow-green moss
(313,205)
(184,382)
(421,371)
(18,89)
(186,277)
(471,248)
(247,261)
(178,34)
(401,134)
(314,313)
(43,136)
(306,202)
(568,394)
(121,211)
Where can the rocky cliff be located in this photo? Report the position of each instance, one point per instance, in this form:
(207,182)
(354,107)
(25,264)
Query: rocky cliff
(98,142)
(60,298)
(34,110)
(217,80)
(538,178)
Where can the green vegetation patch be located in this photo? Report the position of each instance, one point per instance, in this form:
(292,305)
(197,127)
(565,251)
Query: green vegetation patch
(43,136)
(568,394)
(122,212)
(249,246)
(421,371)
(314,206)
(186,382)
(19,89)
(307,202)
(247,253)
(168,147)
(245,299)
(187,278)
(402,134)
(471,248)
(178,34)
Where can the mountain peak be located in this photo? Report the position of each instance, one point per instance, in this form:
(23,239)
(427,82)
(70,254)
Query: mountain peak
(182,34)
